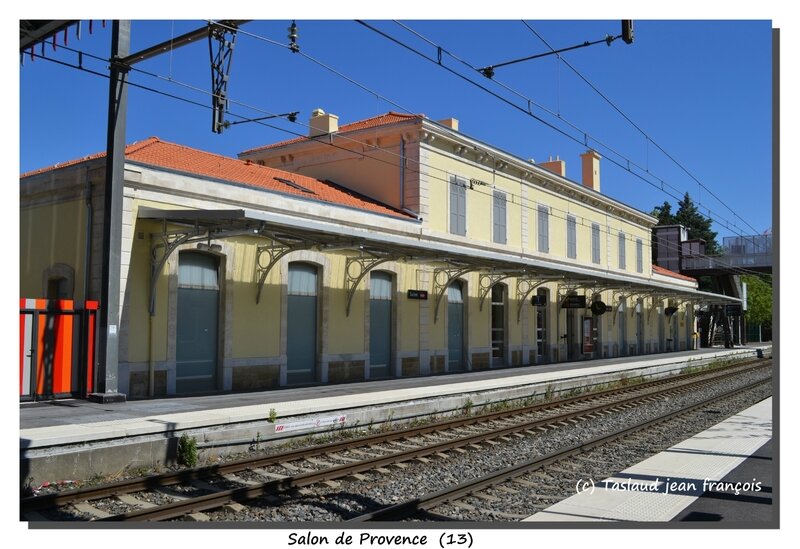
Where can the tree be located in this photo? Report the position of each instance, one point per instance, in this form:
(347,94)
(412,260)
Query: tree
(759,300)
(698,225)
(664,214)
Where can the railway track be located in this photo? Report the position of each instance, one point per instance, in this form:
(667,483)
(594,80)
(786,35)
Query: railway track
(427,504)
(190,493)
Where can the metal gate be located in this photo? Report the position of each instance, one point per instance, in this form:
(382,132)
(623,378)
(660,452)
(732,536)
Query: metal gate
(198,316)
(455,327)
(380,325)
(301,324)
(57,348)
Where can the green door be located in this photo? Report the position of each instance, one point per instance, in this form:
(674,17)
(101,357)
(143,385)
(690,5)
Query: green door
(380,325)
(197,331)
(301,324)
(455,327)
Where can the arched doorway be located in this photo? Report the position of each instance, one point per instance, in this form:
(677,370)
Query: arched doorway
(499,331)
(455,327)
(198,322)
(380,324)
(301,323)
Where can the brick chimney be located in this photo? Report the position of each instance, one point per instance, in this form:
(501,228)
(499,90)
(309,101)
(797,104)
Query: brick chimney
(322,124)
(556,166)
(451,123)
(590,170)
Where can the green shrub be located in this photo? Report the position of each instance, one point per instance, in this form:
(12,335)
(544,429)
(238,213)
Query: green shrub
(187,451)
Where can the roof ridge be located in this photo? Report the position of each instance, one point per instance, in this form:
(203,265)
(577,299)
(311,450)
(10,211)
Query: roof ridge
(350,126)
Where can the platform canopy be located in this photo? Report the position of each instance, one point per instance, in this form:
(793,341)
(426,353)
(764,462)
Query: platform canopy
(283,234)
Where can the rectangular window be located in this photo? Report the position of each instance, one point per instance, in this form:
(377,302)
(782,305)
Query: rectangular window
(639,256)
(544,229)
(595,243)
(622,250)
(458,205)
(572,237)
(499,217)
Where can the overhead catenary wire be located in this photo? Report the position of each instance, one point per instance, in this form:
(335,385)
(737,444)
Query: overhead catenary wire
(716,217)
(329,143)
(636,126)
(629,162)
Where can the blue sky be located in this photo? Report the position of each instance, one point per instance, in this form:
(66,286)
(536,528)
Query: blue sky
(700,89)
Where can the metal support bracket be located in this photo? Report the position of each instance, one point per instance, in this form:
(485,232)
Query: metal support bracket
(623,293)
(526,285)
(356,268)
(274,252)
(220,72)
(488,281)
(442,278)
(653,298)
(168,244)
(573,286)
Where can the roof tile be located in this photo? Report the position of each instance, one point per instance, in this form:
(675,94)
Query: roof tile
(384,119)
(162,154)
(673,274)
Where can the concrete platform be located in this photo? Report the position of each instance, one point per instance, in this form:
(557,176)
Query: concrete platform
(77,439)
(693,480)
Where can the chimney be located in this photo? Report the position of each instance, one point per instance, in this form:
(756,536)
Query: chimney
(590,170)
(322,124)
(556,166)
(451,123)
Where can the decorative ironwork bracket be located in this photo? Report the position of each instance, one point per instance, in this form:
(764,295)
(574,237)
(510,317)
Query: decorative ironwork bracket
(488,281)
(274,252)
(624,293)
(526,285)
(653,298)
(168,244)
(442,278)
(356,268)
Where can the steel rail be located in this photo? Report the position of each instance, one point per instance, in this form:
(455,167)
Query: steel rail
(35,503)
(217,499)
(409,508)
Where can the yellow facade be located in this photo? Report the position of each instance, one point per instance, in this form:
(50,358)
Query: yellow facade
(255,337)
(52,241)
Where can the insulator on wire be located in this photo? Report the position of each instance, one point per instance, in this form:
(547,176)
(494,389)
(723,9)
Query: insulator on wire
(293,45)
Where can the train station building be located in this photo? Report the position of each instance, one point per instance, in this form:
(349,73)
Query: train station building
(388,247)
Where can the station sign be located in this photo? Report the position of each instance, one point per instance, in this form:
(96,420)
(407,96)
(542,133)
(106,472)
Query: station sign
(539,300)
(417,294)
(733,310)
(574,302)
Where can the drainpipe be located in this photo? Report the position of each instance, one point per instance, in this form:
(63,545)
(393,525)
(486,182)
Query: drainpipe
(87,266)
(151,365)
(87,255)
(402,171)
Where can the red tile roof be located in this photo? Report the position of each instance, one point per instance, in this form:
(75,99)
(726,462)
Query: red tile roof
(673,274)
(374,122)
(162,154)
